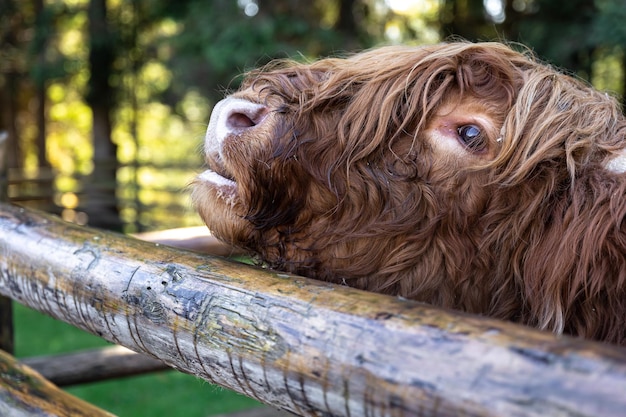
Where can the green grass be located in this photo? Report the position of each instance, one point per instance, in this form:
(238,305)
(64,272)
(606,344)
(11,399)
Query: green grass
(168,393)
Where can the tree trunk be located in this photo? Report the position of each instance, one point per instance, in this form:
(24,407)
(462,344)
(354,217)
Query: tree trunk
(465,19)
(41,28)
(101,205)
(9,87)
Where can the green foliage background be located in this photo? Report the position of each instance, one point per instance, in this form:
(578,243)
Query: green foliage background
(171,61)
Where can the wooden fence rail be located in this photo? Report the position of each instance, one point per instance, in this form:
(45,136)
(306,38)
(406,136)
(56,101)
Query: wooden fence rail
(298,344)
(25,393)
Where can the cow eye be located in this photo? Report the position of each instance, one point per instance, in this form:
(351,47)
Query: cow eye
(472,137)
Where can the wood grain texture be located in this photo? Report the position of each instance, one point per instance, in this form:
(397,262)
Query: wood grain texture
(25,393)
(301,345)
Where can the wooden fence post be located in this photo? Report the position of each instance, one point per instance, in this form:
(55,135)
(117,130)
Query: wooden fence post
(304,346)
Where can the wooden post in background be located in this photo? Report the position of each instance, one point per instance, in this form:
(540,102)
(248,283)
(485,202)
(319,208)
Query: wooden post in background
(6,304)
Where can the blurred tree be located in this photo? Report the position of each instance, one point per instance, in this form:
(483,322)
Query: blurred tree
(142,74)
(608,24)
(223,38)
(12,70)
(558,31)
(102,207)
(26,65)
(568,34)
(609,31)
(39,52)
(466,19)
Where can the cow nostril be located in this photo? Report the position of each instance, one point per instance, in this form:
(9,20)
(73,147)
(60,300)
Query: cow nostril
(241,119)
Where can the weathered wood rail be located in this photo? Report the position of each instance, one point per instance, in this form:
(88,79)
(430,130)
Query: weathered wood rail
(25,393)
(298,344)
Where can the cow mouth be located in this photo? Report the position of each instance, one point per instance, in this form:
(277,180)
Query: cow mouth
(219,178)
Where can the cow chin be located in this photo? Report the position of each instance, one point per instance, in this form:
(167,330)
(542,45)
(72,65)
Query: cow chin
(216,200)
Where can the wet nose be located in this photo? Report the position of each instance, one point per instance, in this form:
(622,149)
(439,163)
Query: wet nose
(232,116)
(235,116)
(243,116)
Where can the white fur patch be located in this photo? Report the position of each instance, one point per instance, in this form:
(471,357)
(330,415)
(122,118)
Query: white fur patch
(216,179)
(617,164)
(225,189)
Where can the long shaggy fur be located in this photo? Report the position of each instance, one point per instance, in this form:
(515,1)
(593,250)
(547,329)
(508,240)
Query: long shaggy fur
(351,178)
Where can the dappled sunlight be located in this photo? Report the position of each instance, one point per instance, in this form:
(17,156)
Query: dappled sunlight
(608,73)
(72,42)
(171,64)
(413,7)
(69,127)
(412,21)
(155,78)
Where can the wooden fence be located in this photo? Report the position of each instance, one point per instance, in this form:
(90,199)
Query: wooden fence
(147,202)
(300,345)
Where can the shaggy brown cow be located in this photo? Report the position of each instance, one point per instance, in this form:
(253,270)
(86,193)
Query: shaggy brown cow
(468,176)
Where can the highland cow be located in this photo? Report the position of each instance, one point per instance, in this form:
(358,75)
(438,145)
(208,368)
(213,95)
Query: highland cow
(468,176)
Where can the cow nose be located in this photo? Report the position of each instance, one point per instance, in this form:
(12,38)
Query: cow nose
(237,115)
(232,116)
(243,118)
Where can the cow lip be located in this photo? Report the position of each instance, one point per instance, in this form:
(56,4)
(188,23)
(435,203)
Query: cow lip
(217,179)
(216,172)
